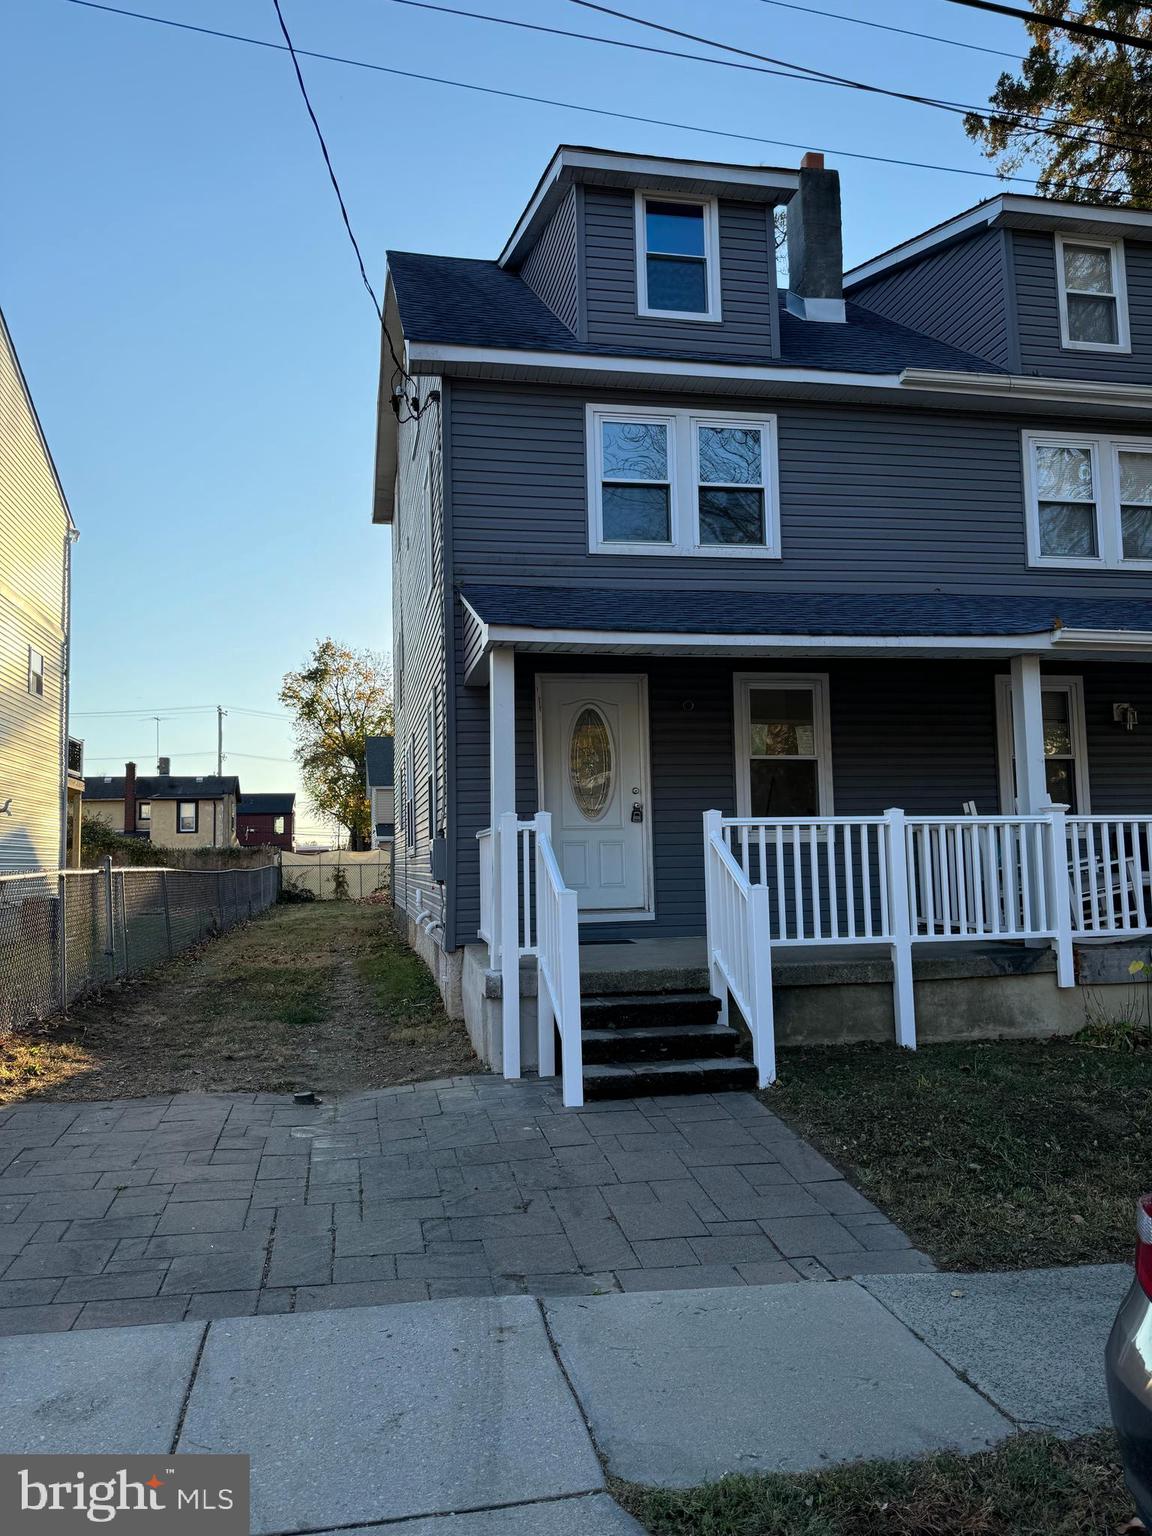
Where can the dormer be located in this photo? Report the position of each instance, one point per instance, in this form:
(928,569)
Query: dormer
(671,256)
(1059,290)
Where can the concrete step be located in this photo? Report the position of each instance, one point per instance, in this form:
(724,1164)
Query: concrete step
(666,1010)
(655,1043)
(636,1079)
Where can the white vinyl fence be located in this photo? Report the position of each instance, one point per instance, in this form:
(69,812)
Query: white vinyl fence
(69,931)
(338,875)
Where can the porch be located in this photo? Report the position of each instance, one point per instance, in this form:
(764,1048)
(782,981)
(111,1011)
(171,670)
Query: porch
(936,823)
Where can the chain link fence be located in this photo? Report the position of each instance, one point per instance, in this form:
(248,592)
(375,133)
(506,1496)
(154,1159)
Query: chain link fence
(67,932)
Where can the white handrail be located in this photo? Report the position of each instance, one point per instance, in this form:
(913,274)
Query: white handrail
(739,945)
(557,932)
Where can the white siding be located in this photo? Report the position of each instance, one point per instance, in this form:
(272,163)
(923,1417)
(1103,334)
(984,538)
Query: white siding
(34,526)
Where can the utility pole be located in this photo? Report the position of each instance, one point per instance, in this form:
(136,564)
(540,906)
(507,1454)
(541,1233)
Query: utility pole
(157,719)
(220,713)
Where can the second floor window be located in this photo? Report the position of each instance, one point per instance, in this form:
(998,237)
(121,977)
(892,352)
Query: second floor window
(1089,501)
(186,816)
(35,673)
(1092,296)
(682,483)
(677,258)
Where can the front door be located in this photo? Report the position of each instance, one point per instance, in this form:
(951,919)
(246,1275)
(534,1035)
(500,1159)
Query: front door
(593,752)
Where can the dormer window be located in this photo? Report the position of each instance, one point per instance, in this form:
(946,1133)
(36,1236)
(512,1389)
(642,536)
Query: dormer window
(678,257)
(1093,298)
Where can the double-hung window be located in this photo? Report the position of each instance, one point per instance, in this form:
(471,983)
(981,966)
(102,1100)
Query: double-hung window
(783,745)
(682,483)
(187,816)
(1065,744)
(410,794)
(1089,500)
(35,673)
(1092,295)
(677,257)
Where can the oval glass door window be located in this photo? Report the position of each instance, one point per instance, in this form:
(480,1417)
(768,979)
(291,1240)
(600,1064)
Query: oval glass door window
(590,763)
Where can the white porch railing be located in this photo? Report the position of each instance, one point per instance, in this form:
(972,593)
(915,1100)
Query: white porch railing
(523,897)
(738,964)
(902,881)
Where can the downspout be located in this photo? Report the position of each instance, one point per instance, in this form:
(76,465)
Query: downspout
(70,538)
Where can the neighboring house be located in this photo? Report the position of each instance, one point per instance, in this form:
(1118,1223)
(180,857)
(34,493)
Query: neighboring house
(669,541)
(41,773)
(378,777)
(266,821)
(171,810)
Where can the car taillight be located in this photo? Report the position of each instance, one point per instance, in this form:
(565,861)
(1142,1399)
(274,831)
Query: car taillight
(1144,1243)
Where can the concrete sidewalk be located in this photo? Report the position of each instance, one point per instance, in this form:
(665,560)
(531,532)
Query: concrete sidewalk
(481,1416)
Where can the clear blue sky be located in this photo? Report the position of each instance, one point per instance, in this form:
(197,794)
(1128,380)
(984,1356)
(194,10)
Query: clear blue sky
(192,324)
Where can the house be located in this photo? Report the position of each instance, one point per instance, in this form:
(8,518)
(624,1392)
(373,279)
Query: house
(378,777)
(266,821)
(171,810)
(778,657)
(41,771)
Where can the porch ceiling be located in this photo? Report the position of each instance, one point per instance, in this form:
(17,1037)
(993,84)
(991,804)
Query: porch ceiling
(655,622)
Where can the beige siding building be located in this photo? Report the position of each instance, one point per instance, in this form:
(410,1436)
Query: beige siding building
(36,537)
(170,810)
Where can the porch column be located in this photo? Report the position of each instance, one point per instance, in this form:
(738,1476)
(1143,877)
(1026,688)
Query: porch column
(505,846)
(1028,736)
(502,733)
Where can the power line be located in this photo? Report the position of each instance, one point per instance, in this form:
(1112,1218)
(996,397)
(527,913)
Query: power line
(568,106)
(150,714)
(331,170)
(880,26)
(1035,122)
(1062,23)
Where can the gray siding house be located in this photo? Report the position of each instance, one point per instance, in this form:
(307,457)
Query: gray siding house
(862,568)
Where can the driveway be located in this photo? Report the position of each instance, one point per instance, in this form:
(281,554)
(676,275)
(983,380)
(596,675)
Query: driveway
(208,1206)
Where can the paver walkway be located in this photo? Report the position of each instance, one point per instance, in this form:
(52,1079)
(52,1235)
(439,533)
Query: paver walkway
(205,1206)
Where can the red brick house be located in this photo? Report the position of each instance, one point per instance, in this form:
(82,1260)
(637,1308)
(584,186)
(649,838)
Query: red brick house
(266,821)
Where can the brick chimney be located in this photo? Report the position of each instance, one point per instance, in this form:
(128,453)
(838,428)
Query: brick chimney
(815,244)
(129,797)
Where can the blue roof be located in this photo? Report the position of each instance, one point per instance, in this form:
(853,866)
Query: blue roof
(267,805)
(641,609)
(378,761)
(479,304)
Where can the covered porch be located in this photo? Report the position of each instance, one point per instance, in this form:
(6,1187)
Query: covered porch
(874,799)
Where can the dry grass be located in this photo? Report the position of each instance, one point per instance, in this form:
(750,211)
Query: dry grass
(1034,1485)
(994,1156)
(321,995)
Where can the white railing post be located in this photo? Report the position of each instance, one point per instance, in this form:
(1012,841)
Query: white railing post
(1060,896)
(760,957)
(899,917)
(508,905)
(545,1013)
(713,828)
(571,1045)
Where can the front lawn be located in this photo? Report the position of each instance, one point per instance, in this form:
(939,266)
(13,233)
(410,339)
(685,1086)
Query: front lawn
(1034,1485)
(992,1156)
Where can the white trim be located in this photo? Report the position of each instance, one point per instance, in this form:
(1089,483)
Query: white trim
(1073,686)
(1118,295)
(817,684)
(1105,450)
(647,911)
(1014,210)
(1067,391)
(710,209)
(683,482)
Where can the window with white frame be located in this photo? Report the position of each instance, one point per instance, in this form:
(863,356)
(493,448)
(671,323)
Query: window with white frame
(410,794)
(144,811)
(1089,500)
(682,483)
(35,673)
(677,257)
(783,745)
(1065,744)
(188,816)
(1092,295)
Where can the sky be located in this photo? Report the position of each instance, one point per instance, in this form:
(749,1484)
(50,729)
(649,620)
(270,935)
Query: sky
(190,318)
